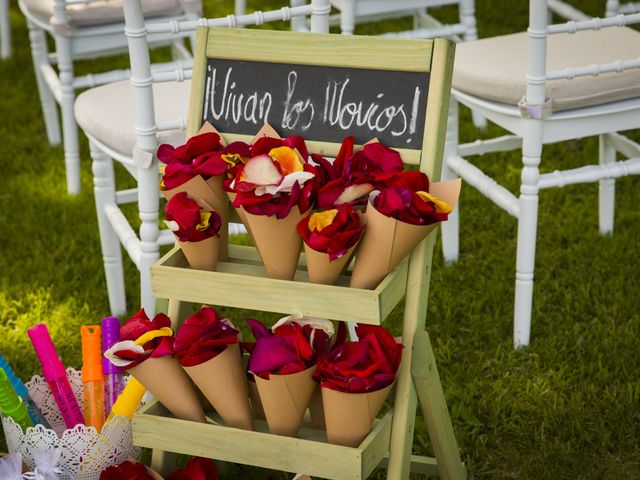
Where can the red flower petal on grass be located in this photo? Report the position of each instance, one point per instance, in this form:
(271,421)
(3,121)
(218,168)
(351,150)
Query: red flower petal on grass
(125,471)
(197,468)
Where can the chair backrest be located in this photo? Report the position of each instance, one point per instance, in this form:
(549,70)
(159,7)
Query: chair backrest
(143,76)
(432,27)
(539,30)
(61,21)
(324,87)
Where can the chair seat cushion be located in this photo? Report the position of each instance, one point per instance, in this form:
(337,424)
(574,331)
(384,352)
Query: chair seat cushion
(103,11)
(106,113)
(496,68)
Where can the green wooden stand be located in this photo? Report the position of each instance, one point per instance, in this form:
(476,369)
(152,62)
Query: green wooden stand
(241,282)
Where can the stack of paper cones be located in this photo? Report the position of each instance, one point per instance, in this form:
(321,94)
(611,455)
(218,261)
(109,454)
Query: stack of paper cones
(222,380)
(387,241)
(167,381)
(349,416)
(277,242)
(285,399)
(321,269)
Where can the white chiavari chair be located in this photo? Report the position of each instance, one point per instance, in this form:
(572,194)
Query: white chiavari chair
(83,29)
(540,100)
(125,121)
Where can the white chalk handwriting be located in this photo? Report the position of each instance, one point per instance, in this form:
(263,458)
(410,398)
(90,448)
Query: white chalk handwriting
(344,105)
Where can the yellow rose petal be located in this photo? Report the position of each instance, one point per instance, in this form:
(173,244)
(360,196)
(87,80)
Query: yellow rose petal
(441,205)
(318,221)
(232,159)
(153,334)
(288,159)
(204,221)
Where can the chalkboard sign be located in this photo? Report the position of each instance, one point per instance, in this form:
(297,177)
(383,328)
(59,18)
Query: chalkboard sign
(323,103)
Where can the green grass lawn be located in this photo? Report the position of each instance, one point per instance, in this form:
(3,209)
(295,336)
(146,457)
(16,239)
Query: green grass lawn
(566,407)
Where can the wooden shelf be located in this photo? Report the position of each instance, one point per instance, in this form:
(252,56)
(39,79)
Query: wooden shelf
(154,427)
(241,282)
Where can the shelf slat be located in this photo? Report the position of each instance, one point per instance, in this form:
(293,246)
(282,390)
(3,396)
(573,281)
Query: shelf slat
(154,428)
(242,283)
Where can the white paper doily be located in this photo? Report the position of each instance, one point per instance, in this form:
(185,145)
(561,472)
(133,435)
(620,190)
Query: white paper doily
(85,453)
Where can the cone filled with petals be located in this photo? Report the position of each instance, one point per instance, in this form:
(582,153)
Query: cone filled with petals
(398,217)
(355,380)
(207,347)
(330,238)
(274,188)
(355,173)
(199,169)
(146,350)
(196,226)
(283,363)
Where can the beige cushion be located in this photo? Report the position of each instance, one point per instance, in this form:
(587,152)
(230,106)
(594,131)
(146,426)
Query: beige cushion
(106,112)
(496,68)
(102,12)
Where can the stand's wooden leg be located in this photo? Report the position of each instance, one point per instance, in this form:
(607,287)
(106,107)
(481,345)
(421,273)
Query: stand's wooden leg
(404,409)
(434,408)
(163,462)
(178,311)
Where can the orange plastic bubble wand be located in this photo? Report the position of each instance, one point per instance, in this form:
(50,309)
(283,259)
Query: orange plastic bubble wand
(92,376)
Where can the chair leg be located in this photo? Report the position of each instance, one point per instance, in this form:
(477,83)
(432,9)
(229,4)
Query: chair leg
(611,9)
(148,206)
(240,7)
(348,17)
(298,24)
(527,229)
(104,191)
(5,30)
(39,54)
(69,126)
(607,188)
(450,228)
(467,14)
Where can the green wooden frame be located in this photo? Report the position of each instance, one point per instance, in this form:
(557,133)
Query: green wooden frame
(418,376)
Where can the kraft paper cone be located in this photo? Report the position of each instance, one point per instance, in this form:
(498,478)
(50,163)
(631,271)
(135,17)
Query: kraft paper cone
(277,241)
(239,210)
(321,269)
(208,128)
(256,405)
(202,255)
(316,410)
(167,381)
(223,382)
(349,416)
(266,131)
(285,399)
(387,241)
(212,193)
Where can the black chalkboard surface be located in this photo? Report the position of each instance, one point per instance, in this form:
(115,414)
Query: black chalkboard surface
(319,102)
